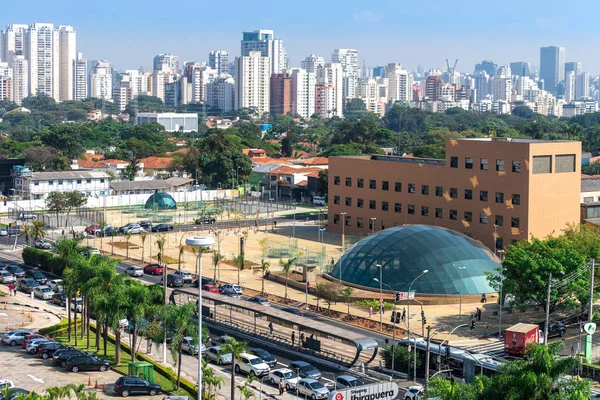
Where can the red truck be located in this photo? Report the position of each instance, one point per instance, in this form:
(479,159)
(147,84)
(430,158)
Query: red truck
(519,336)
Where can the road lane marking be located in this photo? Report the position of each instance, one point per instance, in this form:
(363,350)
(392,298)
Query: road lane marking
(39,380)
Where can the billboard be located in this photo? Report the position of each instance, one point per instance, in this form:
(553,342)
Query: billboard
(375,391)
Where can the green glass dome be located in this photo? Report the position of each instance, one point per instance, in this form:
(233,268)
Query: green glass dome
(404,252)
(161,201)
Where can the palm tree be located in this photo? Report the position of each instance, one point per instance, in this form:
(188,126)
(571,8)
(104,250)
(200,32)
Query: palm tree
(138,296)
(127,237)
(160,243)
(245,391)
(181,251)
(236,349)
(37,230)
(210,382)
(239,263)
(346,293)
(287,267)
(181,319)
(216,259)
(143,236)
(264,266)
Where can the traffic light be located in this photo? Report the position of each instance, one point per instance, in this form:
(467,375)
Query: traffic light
(472,324)
(397,297)
(393,318)
(424,320)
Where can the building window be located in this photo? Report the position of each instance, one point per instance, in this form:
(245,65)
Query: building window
(483,218)
(483,164)
(454,193)
(453,215)
(336,180)
(372,184)
(385,185)
(499,243)
(425,211)
(360,203)
(516,166)
(514,222)
(359,222)
(348,220)
(371,223)
(336,219)
(79,181)
(336,200)
(439,191)
(411,209)
(88,181)
(453,162)
(588,199)
(101,180)
(542,165)
(425,189)
(468,216)
(372,204)
(468,194)
(60,182)
(398,186)
(349,201)
(360,182)
(411,188)
(469,162)
(439,212)
(499,165)
(516,199)
(483,195)
(348,181)
(499,220)
(565,163)
(70,181)
(36,183)
(499,197)
(384,206)
(398,207)
(514,241)
(50,182)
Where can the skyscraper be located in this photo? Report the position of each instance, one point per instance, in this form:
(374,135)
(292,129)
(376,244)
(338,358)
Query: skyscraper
(12,41)
(330,74)
(552,66)
(80,78)
(42,51)
(569,86)
(348,59)
(582,85)
(166,63)
(488,66)
(520,68)
(303,92)
(20,71)
(252,79)
(573,66)
(67,55)
(219,60)
(400,83)
(100,85)
(220,93)
(312,62)
(281,94)
(264,41)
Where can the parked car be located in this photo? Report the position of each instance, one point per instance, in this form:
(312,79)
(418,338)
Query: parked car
(251,365)
(305,370)
(87,363)
(265,356)
(292,310)
(109,230)
(133,229)
(77,304)
(134,270)
(209,288)
(260,300)
(231,289)
(214,353)
(205,220)
(26,215)
(33,344)
(347,381)
(43,244)
(127,385)
(221,340)
(14,393)
(154,269)
(45,350)
(186,276)
(3,232)
(59,299)
(162,228)
(43,292)
(60,357)
(92,229)
(145,224)
(7,277)
(555,329)
(289,378)
(188,346)
(27,285)
(16,270)
(15,337)
(30,337)
(123,228)
(205,281)
(312,388)
(56,284)
(174,280)
(37,275)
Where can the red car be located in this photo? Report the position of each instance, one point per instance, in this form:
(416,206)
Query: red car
(210,288)
(92,228)
(32,336)
(154,269)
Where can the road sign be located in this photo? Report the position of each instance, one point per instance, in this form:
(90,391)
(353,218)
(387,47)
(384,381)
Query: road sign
(405,296)
(589,328)
(382,391)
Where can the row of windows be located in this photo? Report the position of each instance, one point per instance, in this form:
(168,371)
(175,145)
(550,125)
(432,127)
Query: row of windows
(484,164)
(70,182)
(484,219)
(483,196)
(541,164)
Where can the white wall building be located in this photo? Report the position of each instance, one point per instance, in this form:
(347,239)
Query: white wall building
(325,100)
(569,85)
(400,83)
(253,79)
(263,40)
(100,85)
(220,93)
(173,122)
(67,57)
(312,63)
(582,85)
(219,60)
(42,50)
(348,58)
(12,41)
(332,74)
(20,73)
(166,63)
(34,185)
(303,92)
(80,78)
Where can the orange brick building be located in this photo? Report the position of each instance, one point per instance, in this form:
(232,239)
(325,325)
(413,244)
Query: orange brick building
(495,190)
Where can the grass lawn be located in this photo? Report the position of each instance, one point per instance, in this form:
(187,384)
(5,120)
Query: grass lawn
(164,383)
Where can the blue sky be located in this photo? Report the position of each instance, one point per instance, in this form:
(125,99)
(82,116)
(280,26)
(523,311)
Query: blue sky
(130,33)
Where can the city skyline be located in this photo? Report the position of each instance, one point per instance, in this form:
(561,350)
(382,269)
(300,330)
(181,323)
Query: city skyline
(420,35)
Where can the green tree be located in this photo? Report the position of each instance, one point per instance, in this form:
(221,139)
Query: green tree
(56,203)
(37,229)
(132,169)
(346,293)
(143,236)
(72,199)
(323,182)
(66,138)
(286,266)
(431,151)
(328,292)
(264,266)
(444,389)
(236,349)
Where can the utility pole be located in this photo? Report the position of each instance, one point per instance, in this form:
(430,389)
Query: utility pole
(547,310)
(427,355)
(591,313)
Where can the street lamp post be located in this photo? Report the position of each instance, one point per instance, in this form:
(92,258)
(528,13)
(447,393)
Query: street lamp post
(306,274)
(409,288)
(200,242)
(322,231)
(372,219)
(343,215)
(393,325)
(461,269)
(500,300)
(294,226)
(414,354)
(381,303)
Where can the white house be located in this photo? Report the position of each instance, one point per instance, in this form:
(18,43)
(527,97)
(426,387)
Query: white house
(34,185)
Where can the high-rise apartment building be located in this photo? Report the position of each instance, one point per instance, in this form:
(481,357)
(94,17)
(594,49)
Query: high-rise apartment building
(264,41)
(168,63)
(482,85)
(281,94)
(348,59)
(80,78)
(303,92)
(552,66)
(252,79)
(332,74)
(569,86)
(502,84)
(325,100)
(12,42)
(582,85)
(159,80)
(488,66)
(6,90)
(431,87)
(67,56)
(220,93)
(400,83)
(42,50)
(312,63)
(100,85)
(20,73)
(573,66)
(520,68)
(219,60)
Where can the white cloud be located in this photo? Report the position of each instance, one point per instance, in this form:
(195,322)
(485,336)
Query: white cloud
(367,16)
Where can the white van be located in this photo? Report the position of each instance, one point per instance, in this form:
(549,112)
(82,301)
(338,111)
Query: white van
(319,201)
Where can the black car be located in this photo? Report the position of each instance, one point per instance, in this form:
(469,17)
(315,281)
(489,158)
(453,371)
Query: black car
(59,299)
(145,224)
(109,231)
(27,285)
(61,356)
(127,385)
(45,350)
(205,281)
(305,370)
(162,228)
(292,310)
(174,280)
(205,220)
(555,329)
(39,276)
(265,356)
(16,270)
(86,363)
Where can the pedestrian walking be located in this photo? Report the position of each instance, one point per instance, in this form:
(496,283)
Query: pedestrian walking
(63,233)
(10,289)
(274,224)
(478,314)
(271,327)
(370,311)
(159,257)
(382,307)
(403,314)
(281,387)
(293,338)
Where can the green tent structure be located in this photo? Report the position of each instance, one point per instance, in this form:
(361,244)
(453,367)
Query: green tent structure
(161,201)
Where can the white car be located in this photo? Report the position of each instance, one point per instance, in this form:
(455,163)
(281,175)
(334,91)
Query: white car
(286,375)
(33,344)
(251,365)
(133,229)
(3,232)
(414,393)
(312,388)
(231,289)
(214,353)
(79,303)
(135,270)
(6,383)
(7,277)
(55,285)
(43,292)
(188,346)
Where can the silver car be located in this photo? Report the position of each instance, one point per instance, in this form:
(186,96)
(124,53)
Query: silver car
(7,277)
(133,229)
(185,276)
(135,270)
(312,388)
(15,337)
(214,354)
(43,292)
(33,344)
